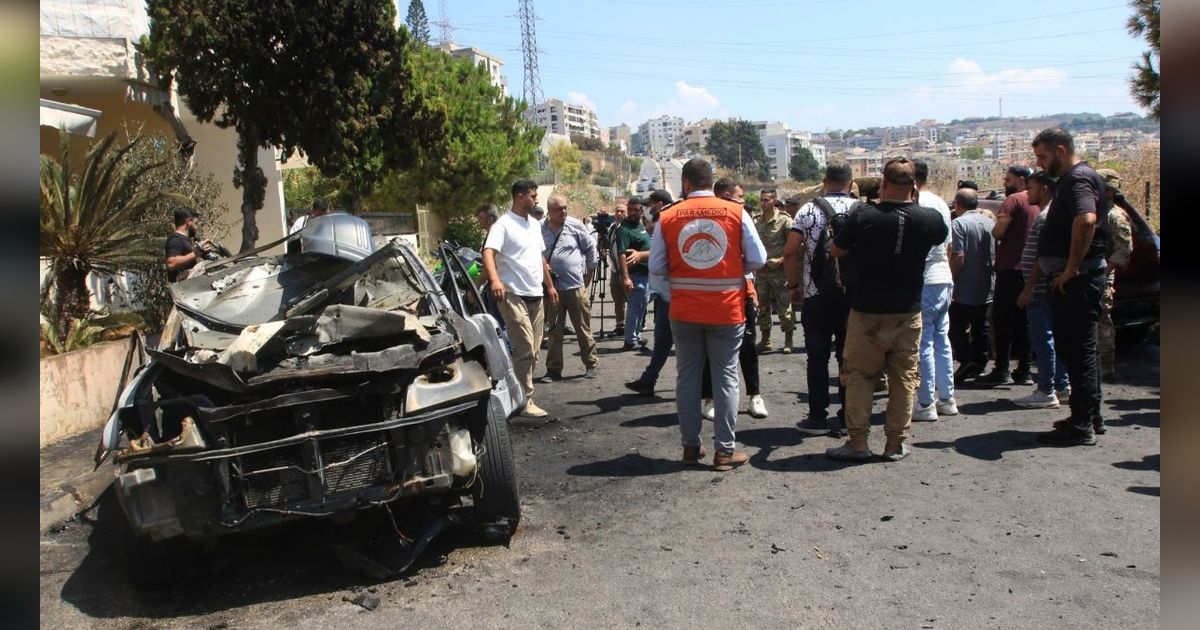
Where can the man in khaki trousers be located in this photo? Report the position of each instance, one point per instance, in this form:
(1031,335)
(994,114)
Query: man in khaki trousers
(571,254)
(519,277)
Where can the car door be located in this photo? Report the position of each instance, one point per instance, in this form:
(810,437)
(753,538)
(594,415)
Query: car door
(468,303)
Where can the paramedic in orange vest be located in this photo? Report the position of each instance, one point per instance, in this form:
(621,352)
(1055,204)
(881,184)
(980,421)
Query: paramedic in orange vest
(705,245)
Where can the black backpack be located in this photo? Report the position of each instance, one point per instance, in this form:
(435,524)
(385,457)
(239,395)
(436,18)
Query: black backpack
(831,275)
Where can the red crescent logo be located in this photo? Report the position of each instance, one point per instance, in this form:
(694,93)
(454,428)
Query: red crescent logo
(693,239)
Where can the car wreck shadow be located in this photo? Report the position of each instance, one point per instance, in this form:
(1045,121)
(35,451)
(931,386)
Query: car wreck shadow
(242,570)
(989,446)
(628,465)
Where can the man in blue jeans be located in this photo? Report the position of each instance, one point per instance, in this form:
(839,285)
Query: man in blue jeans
(659,291)
(936,359)
(631,236)
(1052,383)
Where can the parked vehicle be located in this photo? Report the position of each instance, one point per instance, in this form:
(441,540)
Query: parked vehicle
(314,385)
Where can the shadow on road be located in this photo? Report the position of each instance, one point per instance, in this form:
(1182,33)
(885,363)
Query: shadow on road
(1149,462)
(1145,419)
(987,406)
(660,421)
(628,465)
(611,404)
(242,570)
(989,446)
(1152,491)
(1136,404)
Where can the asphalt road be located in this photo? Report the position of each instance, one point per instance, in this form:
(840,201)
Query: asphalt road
(980,527)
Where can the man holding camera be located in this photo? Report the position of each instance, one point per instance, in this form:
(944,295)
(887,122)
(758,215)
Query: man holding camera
(183,251)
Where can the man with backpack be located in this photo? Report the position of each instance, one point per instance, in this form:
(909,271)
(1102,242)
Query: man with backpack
(821,292)
(888,242)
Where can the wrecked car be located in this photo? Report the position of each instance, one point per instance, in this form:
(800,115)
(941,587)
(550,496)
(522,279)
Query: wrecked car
(335,378)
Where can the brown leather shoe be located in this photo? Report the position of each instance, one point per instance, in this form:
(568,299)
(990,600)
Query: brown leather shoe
(693,454)
(728,460)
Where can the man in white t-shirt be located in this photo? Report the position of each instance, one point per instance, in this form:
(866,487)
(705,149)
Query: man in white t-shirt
(512,256)
(935,357)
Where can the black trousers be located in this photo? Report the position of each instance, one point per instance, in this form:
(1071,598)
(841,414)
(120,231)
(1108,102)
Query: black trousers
(747,358)
(969,333)
(824,321)
(1009,325)
(1074,314)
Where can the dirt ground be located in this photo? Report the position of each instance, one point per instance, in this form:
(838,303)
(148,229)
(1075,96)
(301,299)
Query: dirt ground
(980,527)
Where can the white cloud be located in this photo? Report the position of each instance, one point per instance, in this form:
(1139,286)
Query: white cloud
(689,102)
(580,98)
(967,75)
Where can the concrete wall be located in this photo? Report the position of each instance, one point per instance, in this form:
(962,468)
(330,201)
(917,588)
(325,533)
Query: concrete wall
(78,389)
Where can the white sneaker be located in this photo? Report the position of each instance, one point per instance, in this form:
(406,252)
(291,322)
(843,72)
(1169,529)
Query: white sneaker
(758,409)
(534,411)
(708,411)
(1038,400)
(924,413)
(1064,393)
(948,407)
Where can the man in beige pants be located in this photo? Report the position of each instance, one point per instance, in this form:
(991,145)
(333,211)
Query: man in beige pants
(519,276)
(571,254)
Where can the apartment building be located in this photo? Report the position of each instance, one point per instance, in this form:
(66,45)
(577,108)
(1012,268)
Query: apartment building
(567,118)
(660,136)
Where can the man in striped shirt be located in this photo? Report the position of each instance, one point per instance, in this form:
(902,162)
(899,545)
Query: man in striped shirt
(1052,382)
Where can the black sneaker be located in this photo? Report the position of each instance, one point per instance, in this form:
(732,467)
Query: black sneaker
(551,376)
(813,425)
(627,347)
(995,377)
(641,387)
(1067,436)
(1097,425)
(619,331)
(966,372)
(1022,377)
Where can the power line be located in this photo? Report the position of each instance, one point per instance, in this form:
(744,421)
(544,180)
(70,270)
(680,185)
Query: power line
(445,29)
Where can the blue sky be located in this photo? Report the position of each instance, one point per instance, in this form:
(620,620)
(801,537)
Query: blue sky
(814,64)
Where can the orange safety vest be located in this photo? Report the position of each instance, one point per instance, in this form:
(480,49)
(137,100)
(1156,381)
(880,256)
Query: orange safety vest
(704,254)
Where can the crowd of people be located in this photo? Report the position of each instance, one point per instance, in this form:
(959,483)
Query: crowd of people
(896,290)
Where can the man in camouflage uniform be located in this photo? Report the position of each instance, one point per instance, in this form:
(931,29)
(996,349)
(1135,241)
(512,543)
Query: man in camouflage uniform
(770,281)
(1120,246)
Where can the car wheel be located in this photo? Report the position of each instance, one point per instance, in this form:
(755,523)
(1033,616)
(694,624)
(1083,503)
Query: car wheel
(497,498)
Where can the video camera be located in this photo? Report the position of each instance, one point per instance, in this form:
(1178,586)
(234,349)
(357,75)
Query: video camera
(603,224)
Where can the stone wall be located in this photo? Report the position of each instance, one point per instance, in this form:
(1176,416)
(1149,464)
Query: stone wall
(78,389)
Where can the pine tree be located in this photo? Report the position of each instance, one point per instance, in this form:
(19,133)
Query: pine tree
(803,166)
(417,21)
(1144,83)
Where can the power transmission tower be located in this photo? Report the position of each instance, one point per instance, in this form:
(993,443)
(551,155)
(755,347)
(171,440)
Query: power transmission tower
(445,29)
(533,83)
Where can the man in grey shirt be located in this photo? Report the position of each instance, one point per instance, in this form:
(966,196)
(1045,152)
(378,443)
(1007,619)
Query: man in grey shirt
(571,253)
(972,255)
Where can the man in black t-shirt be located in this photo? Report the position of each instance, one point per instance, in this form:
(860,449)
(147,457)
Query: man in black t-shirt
(182,251)
(1072,249)
(887,242)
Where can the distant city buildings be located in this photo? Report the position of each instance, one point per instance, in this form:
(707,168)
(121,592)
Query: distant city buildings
(491,63)
(659,137)
(570,119)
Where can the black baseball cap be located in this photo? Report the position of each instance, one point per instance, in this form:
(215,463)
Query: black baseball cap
(659,195)
(638,200)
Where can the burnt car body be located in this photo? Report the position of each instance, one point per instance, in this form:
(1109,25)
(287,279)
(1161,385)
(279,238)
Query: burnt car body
(335,378)
(1136,285)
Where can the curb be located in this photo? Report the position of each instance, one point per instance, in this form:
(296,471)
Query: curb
(74,495)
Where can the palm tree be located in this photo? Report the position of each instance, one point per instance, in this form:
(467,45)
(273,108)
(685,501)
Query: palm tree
(1144,83)
(91,221)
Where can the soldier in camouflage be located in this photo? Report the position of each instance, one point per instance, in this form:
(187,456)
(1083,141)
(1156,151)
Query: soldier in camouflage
(1120,246)
(770,281)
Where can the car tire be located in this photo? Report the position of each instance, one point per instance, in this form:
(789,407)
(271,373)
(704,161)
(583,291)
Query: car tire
(497,498)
